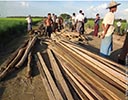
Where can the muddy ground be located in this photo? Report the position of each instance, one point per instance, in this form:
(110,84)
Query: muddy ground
(18,87)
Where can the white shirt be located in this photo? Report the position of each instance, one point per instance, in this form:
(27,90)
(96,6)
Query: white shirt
(73,19)
(80,17)
(28,20)
(118,24)
(109,19)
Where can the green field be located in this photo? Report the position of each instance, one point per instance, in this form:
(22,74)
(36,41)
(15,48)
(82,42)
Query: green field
(12,27)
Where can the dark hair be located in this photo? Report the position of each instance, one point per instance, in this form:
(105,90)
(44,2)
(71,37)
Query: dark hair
(97,14)
(80,11)
(49,13)
(73,14)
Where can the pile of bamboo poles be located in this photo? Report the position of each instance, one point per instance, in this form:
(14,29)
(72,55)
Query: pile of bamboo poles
(91,76)
(18,58)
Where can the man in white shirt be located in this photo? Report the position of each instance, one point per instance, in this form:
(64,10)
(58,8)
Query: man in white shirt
(108,29)
(79,21)
(73,22)
(119,26)
(29,21)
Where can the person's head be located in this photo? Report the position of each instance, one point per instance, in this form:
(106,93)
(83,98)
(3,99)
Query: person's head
(80,11)
(113,6)
(49,15)
(97,15)
(74,14)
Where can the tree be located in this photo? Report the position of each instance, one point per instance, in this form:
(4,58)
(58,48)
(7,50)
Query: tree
(65,16)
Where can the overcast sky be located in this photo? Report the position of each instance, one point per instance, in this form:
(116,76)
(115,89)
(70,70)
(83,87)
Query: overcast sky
(41,8)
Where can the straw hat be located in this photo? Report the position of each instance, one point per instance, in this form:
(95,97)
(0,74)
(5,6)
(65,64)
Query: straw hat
(113,4)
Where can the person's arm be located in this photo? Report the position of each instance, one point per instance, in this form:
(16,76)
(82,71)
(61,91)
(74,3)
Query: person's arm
(105,29)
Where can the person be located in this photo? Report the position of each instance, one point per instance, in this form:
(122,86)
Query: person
(49,23)
(29,21)
(73,22)
(79,21)
(96,25)
(54,17)
(124,50)
(108,29)
(118,27)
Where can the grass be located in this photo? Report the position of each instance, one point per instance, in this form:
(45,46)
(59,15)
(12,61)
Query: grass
(10,28)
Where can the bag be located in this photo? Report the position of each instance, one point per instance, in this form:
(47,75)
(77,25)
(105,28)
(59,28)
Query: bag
(85,20)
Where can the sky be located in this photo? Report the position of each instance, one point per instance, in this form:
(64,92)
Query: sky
(41,8)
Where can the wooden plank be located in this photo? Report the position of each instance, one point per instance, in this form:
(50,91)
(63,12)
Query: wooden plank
(98,80)
(44,80)
(12,64)
(85,84)
(96,56)
(50,79)
(30,45)
(13,55)
(59,76)
(117,77)
(29,70)
(78,84)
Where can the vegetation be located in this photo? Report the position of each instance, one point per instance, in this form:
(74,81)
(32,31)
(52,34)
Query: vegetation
(13,27)
(90,24)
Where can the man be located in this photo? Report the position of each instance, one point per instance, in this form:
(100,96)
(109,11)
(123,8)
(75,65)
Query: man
(79,21)
(73,22)
(49,23)
(108,29)
(119,26)
(29,21)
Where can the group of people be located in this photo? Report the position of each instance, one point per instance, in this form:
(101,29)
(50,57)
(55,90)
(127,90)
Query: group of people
(54,23)
(78,22)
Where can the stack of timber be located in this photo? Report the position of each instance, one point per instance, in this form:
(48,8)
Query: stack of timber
(91,76)
(18,58)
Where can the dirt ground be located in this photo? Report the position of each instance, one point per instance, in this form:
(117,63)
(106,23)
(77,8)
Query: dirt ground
(17,87)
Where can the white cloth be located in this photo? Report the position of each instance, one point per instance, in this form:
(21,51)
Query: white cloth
(73,20)
(28,20)
(118,24)
(109,19)
(80,17)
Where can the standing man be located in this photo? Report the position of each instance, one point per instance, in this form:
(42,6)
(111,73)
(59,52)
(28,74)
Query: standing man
(119,27)
(73,22)
(49,23)
(108,29)
(96,25)
(29,21)
(79,21)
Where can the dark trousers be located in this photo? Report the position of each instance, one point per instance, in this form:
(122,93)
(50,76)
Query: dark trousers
(49,31)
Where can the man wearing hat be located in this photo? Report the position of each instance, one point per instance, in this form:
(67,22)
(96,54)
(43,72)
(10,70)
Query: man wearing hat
(108,29)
